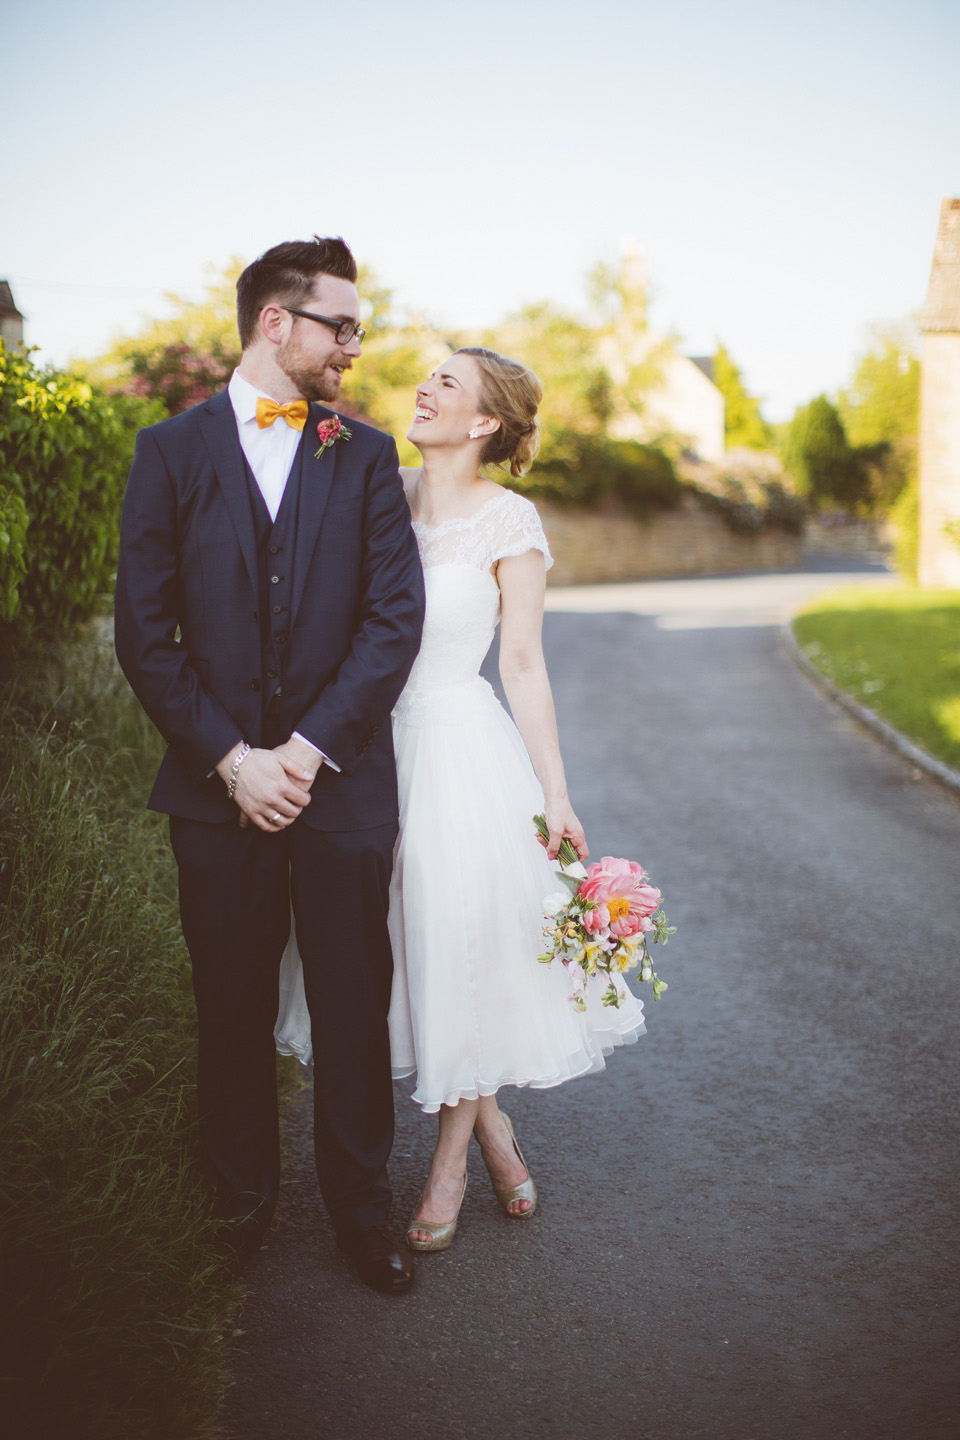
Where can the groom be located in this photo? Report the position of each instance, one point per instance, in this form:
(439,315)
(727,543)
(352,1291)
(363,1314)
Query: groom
(269,607)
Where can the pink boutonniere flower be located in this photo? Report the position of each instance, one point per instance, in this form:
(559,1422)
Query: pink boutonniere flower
(330,431)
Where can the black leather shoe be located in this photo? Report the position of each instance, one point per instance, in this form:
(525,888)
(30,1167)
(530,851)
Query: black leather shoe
(378,1258)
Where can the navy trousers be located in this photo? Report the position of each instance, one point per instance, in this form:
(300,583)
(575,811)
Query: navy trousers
(236,887)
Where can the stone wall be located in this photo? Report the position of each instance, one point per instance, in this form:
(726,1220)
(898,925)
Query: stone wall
(838,534)
(607,544)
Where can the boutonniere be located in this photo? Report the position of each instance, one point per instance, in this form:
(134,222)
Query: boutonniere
(330,431)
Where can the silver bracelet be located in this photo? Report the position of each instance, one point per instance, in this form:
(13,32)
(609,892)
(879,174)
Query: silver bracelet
(238,760)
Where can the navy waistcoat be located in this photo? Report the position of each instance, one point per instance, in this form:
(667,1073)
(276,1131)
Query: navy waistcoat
(276,547)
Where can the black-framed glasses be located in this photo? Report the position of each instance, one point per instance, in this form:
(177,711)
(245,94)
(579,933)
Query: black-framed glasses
(345,330)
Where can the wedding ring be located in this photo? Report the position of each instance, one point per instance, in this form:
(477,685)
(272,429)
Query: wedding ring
(275,819)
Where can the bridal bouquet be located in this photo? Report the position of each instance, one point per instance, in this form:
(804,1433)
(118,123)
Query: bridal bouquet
(602,922)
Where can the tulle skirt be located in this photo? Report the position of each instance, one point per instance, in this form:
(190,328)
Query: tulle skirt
(473,1009)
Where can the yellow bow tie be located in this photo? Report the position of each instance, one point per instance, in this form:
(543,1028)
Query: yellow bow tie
(295,413)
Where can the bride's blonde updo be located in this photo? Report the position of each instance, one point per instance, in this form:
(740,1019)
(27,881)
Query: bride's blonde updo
(510,393)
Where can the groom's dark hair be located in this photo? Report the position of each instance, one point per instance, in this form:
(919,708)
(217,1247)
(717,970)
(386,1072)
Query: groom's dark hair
(285,275)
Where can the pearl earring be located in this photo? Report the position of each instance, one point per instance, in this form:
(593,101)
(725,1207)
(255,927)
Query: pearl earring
(474,434)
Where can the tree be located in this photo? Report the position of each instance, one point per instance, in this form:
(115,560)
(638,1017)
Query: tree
(182,359)
(190,354)
(743,423)
(824,467)
(883,402)
(881,412)
(578,398)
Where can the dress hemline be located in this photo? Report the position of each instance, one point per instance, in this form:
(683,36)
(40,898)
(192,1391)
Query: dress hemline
(484,1088)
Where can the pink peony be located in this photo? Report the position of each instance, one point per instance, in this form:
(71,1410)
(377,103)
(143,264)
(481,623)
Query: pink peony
(623,902)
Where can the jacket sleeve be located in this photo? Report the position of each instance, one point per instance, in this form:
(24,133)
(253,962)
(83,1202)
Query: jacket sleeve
(193,723)
(347,712)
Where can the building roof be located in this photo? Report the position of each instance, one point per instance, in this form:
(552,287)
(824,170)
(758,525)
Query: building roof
(942,308)
(7,306)
(704,363)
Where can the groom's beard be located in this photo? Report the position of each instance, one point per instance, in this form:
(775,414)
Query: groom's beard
(314,381)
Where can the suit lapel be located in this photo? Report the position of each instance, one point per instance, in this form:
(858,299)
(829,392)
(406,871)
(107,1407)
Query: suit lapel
(219,426)
(316,481)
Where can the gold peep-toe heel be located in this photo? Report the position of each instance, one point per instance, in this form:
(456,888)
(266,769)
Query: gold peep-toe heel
(441,1235)
(525,1191)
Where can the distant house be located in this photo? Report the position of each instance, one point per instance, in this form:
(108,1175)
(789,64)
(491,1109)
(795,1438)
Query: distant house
(682,402)
(11,321)
(666,393)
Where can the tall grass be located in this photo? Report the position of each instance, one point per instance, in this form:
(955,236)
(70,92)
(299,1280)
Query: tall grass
(112,1308)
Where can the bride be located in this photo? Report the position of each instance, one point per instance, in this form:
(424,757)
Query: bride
(472,1009)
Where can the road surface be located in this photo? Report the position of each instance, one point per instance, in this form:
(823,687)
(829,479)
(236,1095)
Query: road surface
(748,1225)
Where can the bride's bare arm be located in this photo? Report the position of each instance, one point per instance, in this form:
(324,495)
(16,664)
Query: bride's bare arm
(524,675)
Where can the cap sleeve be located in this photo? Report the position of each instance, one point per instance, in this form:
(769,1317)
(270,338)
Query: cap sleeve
(519,530)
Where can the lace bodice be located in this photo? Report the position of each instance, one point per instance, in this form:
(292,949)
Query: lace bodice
(463,599)
(506,524)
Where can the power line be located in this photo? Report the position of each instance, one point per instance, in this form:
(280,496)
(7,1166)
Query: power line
(68,287)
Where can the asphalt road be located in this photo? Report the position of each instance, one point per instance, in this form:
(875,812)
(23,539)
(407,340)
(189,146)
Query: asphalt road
(748,1225)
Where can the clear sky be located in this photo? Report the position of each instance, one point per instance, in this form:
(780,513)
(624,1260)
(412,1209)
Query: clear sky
(780,164)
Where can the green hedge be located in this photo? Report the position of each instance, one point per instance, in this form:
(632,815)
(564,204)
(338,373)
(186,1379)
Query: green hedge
(586,469)
(65,451)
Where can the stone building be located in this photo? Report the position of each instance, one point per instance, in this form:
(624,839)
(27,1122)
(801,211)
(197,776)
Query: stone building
(684,403)
(939,558)
(677,393)
(11,321)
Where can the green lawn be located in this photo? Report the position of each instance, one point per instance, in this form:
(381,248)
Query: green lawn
(896,651)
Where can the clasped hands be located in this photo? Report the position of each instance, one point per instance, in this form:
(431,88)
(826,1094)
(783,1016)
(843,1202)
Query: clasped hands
(272,783)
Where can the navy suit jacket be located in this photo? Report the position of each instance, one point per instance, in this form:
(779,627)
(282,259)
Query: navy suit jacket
(187,633)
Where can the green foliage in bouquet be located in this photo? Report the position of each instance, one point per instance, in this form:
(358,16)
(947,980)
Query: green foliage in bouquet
(566,853)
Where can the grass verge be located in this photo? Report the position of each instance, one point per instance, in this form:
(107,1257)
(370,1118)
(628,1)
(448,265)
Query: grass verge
(897,652)
(113,1311)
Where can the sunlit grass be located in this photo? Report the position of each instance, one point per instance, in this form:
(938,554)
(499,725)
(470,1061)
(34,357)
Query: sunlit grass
(897,651)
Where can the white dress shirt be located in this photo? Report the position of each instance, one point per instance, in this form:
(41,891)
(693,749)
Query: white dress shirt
(270,453)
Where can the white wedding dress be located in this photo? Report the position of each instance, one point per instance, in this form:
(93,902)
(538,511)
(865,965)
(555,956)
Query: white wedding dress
(472,1007)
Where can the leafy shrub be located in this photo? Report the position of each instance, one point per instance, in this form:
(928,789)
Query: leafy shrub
(748,491)
(13,536)
(588,469)
(180,377)
(824,466)
(905,515)
(64,455)
(767,505)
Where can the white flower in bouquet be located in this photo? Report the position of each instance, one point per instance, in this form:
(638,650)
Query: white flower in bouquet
(555,903)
